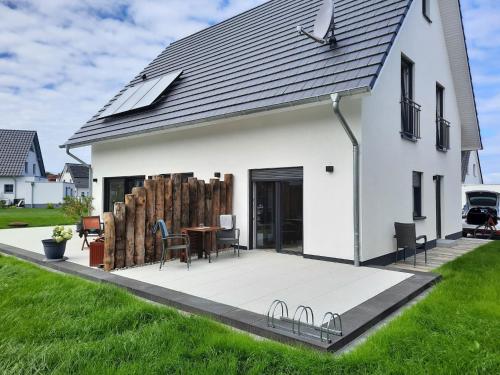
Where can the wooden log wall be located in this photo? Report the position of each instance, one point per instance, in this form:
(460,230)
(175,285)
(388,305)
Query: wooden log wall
(129,240)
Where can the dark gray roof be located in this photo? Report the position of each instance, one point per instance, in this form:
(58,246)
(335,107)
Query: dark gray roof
(79,174)
(256,60)
(14,148)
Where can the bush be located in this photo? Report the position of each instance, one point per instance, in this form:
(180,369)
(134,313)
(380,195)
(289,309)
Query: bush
(2,204)
(50,206)
(77,207)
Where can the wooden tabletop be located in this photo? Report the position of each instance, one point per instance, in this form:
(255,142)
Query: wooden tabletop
(201,229)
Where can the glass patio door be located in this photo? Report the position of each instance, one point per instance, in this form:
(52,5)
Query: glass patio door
(277,209)
(265,215)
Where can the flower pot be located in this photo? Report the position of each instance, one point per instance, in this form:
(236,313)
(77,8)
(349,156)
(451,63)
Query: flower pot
(54,251)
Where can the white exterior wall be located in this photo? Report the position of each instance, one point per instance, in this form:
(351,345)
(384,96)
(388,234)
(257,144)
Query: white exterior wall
(473,176)
(310,137)
(45,192)
(388,160)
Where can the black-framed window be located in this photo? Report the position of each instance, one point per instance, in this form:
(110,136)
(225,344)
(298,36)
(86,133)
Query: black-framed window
(406,78)
(115,189)
(25,167)
(442,125)
(410,111)
(439,100)
(34,169)
(8,188)
(426,9)
(417,194)
(184,176)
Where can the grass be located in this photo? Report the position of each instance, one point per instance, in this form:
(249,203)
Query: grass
(53,323)
(35,217)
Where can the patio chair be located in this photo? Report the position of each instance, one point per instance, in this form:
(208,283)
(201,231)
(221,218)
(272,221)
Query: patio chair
(167,243)
(229,234)
(406,239)
(91,227)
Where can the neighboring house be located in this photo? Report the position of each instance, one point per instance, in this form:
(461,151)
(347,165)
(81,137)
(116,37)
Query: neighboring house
(78,175)
(21,163)
(251,97)
(471,168)
(22,172)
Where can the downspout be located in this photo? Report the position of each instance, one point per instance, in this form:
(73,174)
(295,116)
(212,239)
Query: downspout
(83,163)
(355,173)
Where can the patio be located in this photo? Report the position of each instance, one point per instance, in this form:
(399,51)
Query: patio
(238,291)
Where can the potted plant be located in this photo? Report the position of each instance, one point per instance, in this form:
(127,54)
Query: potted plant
(55,247)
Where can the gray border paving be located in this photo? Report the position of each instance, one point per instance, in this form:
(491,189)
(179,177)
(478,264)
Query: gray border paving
(355,321)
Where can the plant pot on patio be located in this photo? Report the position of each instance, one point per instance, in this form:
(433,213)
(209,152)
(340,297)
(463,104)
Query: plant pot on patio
(54,250)
(55,247)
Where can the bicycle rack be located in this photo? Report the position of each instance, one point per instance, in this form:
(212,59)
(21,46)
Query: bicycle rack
(302,323)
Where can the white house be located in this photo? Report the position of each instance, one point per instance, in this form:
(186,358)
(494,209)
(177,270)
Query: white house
(471,168)
(330,142)
(22,172)
(78,175)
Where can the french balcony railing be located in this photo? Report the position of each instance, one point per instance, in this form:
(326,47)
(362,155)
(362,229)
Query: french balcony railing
(442,134)
(410,119)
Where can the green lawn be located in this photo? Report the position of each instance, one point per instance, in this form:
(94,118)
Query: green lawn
(53,323)
(35,217)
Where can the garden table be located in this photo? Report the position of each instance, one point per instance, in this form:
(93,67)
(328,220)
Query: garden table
(203,231)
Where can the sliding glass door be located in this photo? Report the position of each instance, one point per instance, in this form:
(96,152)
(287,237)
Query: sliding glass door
(277,209)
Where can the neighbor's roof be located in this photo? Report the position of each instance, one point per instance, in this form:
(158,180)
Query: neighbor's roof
(79,174)
(14,148)
(255,61)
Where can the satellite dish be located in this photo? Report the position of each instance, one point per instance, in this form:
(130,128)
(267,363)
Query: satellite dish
(323,24)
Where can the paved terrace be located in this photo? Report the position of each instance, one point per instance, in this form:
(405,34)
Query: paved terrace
(238,291)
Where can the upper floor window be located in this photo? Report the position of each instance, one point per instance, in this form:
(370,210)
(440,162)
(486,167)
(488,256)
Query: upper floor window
(25,167)
(426,9)
(442,125)
(8,188)
(34,169)
(410,111)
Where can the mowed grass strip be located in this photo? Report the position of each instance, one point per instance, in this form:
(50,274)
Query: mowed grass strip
(35,217)
(53,323)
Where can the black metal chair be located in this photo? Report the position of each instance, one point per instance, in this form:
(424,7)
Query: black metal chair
(228,235)
(185,246)
(406,239)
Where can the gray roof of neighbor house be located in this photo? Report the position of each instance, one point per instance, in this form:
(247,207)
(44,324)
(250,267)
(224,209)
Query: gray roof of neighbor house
(256,61)
(79,174)
(14,148)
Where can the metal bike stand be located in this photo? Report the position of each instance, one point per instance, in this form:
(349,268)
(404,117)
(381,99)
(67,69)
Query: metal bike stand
(302,323)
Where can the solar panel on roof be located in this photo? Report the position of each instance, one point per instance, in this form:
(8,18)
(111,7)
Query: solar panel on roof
(141,95)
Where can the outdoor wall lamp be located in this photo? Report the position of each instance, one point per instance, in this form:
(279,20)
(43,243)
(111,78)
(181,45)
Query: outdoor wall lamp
(329,168)
(217,174)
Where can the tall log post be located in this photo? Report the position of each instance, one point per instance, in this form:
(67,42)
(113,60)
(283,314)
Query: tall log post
(169,205)
(140,224)
(228,181)
(208,204)
(185,205)
(201,203)
(129,229)
(109,241)
(214,182)
(193,202)
(177,204)
(159,214)
(150,186)
(120,242)
(222,192)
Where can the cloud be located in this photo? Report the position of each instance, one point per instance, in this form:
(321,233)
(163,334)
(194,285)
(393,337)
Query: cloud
(62,60)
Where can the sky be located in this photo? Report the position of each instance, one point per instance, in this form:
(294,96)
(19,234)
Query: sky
(62,60)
